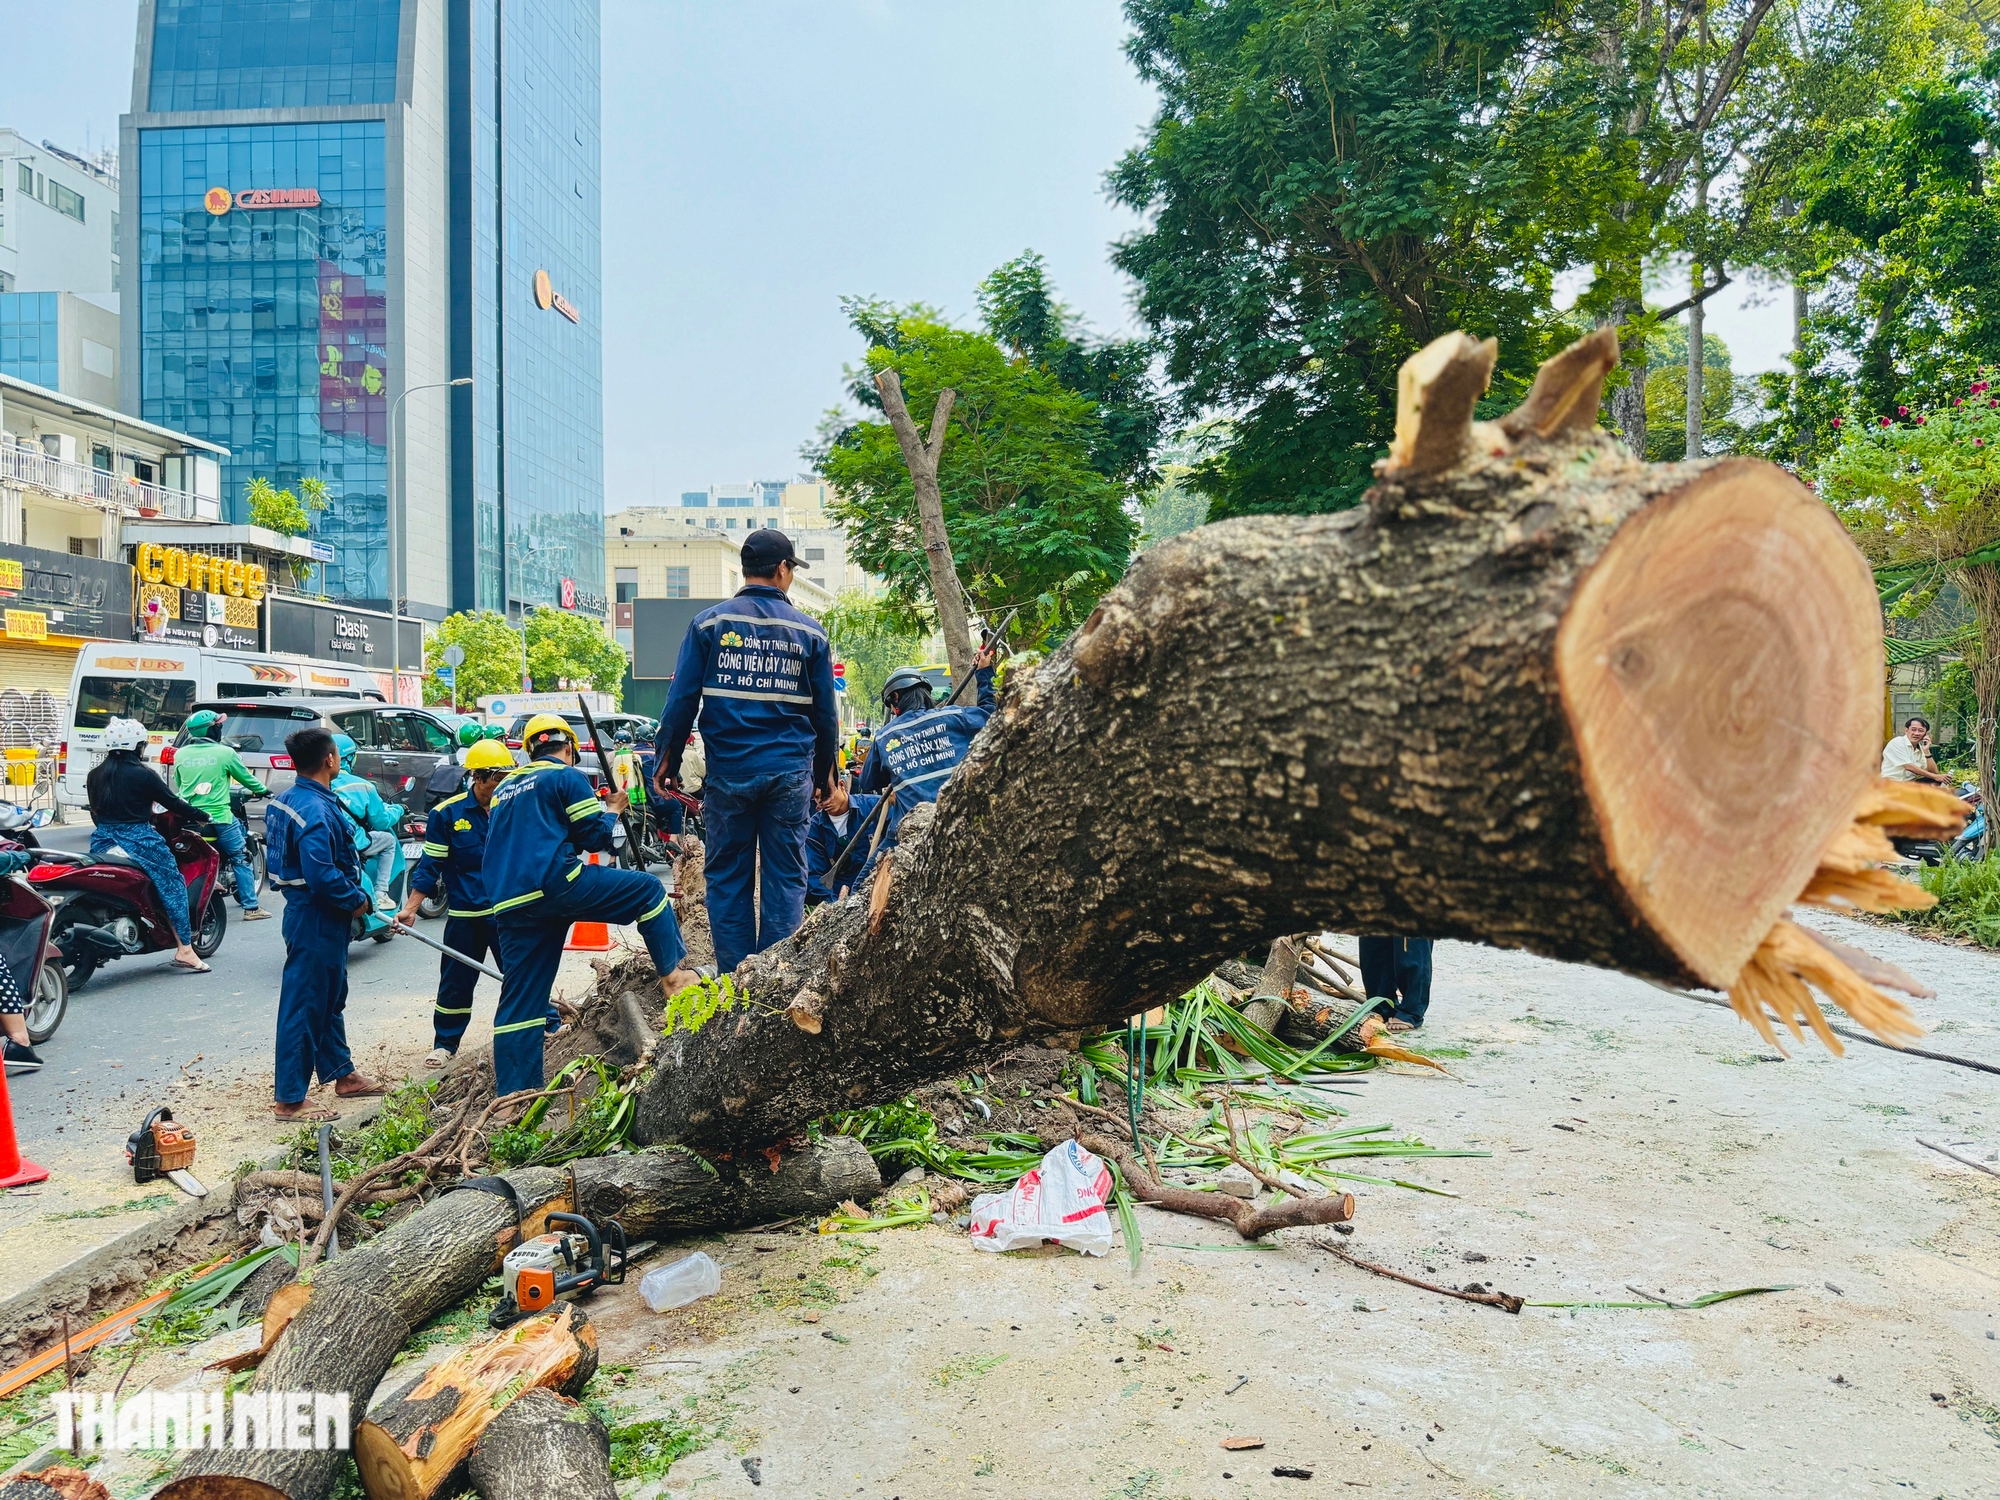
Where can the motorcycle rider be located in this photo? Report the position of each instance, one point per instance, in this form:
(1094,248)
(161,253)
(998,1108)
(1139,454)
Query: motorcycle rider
(204,767)
(542,816)
(917,750)
(454,853)
(123,792)
(310,849)
(375,835)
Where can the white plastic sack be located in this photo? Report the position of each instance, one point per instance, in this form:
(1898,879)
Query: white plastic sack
(1062,1200)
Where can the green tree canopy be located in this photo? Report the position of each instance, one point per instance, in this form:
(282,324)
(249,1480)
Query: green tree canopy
(873,641)
(1034,477)
(561,647)
(1329,185)
(1666,395)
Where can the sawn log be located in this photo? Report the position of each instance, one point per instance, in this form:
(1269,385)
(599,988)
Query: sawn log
(543,1447)
(414,1441)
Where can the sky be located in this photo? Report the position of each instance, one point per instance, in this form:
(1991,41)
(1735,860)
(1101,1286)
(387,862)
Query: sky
(765,158)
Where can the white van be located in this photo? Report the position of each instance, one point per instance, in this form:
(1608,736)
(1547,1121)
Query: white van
(159,685)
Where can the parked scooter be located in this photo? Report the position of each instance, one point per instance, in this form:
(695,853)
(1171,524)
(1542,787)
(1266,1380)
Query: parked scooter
(1966,845)
(18,824)
(24,942)
(107,908)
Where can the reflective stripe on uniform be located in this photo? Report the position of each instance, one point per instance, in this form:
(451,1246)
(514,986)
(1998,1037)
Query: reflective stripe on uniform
(517,901)
(710,692)
(773,620)
(666,897)
(288,884)
(445,1010)
(452,911)
(436,851)
(291,812)
(583,809)
(539,1023)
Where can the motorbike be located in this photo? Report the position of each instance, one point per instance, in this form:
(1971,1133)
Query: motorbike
(1966,845)
(412,834)
(18,824)
(374,923)
(24,942)
(253,843)
(107,908)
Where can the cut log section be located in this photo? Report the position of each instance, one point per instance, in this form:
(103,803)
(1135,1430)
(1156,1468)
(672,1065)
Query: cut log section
(543,1448)
(663,1193)
(1534,693)
(57,1482)
(414,1441)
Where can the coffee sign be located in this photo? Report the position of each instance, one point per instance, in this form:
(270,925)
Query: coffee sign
(199,571)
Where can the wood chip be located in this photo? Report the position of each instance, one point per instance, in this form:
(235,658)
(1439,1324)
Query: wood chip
(1239,1444)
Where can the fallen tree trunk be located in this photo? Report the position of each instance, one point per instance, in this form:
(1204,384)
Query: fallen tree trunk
(1534,693)
(57,1482)
(415,1440)
(665,1193)
(543,1448)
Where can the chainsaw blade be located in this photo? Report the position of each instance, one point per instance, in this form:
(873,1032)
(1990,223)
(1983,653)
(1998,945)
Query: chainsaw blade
(188,1183)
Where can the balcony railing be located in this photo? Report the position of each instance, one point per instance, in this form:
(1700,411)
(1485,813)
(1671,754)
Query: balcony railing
(132,497)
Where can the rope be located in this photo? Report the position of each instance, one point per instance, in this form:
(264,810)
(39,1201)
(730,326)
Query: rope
(1852,1035)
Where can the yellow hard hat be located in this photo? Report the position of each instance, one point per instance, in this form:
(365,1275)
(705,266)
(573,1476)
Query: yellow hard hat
(542,724)
(489,755)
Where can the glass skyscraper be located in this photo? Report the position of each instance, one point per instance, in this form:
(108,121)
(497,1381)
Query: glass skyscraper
(333,202)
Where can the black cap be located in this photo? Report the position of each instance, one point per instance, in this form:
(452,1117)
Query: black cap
(764,550)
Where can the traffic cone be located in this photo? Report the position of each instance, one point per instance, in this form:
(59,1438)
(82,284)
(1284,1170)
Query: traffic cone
(589,937)
(15,1169)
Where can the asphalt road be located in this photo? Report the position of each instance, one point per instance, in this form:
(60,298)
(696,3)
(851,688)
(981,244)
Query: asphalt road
(138,1023)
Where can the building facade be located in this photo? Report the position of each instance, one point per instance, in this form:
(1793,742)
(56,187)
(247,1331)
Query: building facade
(71,475)
(59,220)
(334,207)
(797,508)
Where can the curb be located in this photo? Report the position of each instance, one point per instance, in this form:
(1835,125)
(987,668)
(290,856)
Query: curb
(95,1280)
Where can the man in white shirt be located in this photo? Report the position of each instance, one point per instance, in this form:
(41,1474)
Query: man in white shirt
(1908,758)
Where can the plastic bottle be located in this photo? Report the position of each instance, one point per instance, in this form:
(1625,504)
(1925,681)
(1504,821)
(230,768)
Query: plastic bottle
(682,1282)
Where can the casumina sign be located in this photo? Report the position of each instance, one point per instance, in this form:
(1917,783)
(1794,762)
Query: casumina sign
(219,200)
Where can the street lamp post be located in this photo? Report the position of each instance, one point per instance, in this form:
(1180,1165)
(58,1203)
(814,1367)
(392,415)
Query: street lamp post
(396,496)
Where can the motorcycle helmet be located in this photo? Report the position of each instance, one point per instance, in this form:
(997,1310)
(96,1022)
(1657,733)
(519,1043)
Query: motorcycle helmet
(496,731)
(203,723)
(489,755)
(124,734)
(346,746)
(906,691)
(470,734)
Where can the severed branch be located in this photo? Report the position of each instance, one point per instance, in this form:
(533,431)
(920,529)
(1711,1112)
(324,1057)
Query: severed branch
(1436,391)
(1568,388)
(1248,1221)
(1501,1300)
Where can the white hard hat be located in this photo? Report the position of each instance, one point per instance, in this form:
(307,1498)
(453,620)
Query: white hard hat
(124,734)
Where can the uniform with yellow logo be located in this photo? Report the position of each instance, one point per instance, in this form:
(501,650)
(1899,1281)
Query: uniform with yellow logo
(454,858)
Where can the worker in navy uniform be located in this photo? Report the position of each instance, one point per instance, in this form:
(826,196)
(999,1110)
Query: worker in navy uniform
(543,818)
(760,674)
(918,749)
(310,855)
(833,827)
(454,853)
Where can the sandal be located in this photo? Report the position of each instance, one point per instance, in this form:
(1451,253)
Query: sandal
(197,967)
(437,1057)
(1398,1026)
(312,1113)
(369,1092)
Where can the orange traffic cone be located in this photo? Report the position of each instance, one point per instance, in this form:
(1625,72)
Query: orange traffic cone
(15,1169)
(589,937)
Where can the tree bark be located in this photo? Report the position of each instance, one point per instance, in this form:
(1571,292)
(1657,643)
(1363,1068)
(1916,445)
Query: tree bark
(1548,697)
(543,1447)
(416,1440)
(667,1193)
(921,458)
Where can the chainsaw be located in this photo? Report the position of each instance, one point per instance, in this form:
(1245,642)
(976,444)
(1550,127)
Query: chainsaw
(162,1148)
(561,1264)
